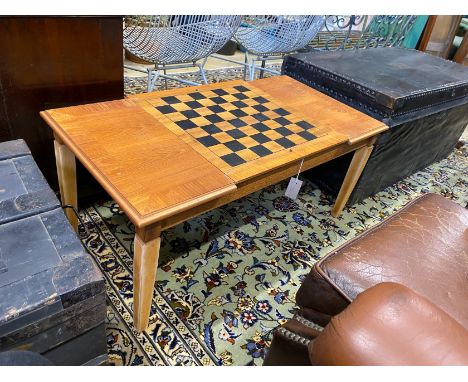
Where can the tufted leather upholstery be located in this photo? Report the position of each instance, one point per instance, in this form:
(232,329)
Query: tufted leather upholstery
(424,246)
(290,343)
(389,324)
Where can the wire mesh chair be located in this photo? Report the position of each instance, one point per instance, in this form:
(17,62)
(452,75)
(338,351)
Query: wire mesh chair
(174,42)
(269,37)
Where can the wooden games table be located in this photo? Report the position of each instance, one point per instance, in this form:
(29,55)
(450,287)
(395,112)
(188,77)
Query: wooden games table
(167,156)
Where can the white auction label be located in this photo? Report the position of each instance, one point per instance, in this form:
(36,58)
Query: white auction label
(293,189)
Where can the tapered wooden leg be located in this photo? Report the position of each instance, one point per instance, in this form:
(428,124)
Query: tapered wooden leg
(145,264)
(355,169)
(66,172)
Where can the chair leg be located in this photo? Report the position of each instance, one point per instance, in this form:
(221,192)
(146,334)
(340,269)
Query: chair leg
(246,61)
(262,72)
(202,72)
(152,77)
(165,78)
(252,71)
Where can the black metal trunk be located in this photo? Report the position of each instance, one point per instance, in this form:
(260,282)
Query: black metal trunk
(422,98)
(52,294)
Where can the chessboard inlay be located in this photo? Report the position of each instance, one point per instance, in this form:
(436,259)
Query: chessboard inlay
(235,123)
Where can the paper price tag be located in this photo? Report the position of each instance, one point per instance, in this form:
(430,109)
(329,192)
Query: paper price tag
(293,189)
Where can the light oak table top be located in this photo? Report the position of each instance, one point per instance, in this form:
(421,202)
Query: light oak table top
(152,170)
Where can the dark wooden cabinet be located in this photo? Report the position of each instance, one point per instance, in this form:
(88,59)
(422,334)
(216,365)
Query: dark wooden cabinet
(49,62)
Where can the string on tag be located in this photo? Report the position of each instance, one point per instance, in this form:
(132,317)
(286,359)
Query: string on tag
(300,168)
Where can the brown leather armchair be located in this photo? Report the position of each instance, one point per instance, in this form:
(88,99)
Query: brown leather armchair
(388,324)
(423,248)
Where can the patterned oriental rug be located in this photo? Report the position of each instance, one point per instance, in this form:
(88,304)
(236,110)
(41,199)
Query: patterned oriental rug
(228,278)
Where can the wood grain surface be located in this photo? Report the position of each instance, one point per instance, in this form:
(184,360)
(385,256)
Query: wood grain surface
(146,168)
(155,172)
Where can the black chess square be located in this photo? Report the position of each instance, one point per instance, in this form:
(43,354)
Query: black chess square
(216,109)
(260,108)
(307,135)
(218,100)
(282,121)
(186,124)
(220,92)
(260,150)
(233,159)
(197,96)
(260,127)
(190,114)
(284,131)
(305,125)
(236,134)
(211,129)
(170,100)
(261,99)
(280,111)
(237,122)
(166,109)
(194,104)
(238,113)
(285,142)
(240,96)
(239,104)
(241,88)
(234,145)
(260,138)
(208,141)
(213,118)
(260,117)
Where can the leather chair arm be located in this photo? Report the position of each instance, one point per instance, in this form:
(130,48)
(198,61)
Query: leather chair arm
(389,324)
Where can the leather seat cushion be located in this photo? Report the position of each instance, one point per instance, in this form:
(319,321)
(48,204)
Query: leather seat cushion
(424,246)
(391,325)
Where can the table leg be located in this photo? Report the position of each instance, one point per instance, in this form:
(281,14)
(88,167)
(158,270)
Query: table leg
(355,169)
(66,172)
(145,264)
